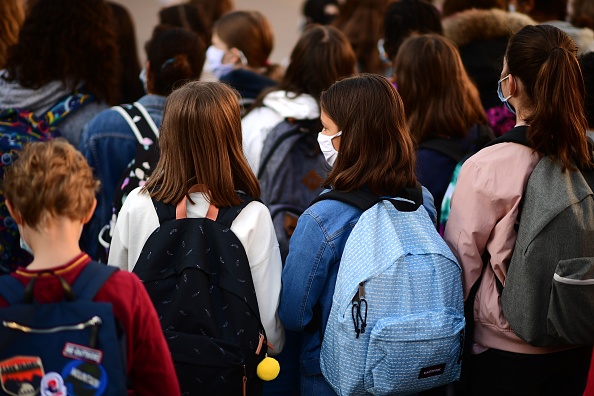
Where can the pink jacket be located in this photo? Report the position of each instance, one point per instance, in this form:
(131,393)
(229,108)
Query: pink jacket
(484,209)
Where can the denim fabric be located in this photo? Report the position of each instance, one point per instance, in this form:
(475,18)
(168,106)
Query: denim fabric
(109,145)
(309,275)
(315,385)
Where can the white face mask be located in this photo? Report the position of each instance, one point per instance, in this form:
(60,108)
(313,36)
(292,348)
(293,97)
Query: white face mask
(325,142)
(214,62)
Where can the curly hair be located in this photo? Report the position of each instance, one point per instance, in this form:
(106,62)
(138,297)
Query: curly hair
(50,179)
(71,41)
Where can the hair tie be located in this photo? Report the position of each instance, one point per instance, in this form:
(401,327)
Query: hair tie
(167,62)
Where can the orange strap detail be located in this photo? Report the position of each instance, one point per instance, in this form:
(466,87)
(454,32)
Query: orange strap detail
(181,208)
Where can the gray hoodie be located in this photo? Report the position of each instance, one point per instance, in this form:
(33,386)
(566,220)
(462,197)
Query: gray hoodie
(41,100)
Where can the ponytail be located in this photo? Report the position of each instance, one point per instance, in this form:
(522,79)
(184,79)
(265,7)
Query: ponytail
(558,123)
(176,56)
(544,59)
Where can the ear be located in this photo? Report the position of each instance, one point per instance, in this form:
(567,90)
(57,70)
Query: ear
(513,86)
(88,216)
(15,214)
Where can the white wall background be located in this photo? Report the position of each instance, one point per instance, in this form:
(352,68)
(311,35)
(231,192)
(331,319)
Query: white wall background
(284,15)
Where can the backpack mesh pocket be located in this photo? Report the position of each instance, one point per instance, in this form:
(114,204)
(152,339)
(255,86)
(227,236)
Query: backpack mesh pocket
(571,305)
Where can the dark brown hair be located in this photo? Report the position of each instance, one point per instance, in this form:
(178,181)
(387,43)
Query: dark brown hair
(175,57)
(50,179)
(214,9)
(544,59)
(362,22)
(200,143)
(322,56)
(376,149)
(71,41)
(188,16)
(439,97)
(130,85)
(583,13)
(406,17)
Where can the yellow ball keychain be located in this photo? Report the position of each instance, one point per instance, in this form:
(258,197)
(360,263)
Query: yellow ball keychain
(268,369)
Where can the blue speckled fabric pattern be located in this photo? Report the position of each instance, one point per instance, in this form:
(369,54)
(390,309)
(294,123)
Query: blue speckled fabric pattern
(415,315)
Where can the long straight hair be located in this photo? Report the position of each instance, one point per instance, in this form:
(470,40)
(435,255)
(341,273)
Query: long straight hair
(200,143)
(376,149)
(439,97)
(544,59)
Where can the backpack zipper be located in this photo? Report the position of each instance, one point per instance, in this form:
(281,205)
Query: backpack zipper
(95,321)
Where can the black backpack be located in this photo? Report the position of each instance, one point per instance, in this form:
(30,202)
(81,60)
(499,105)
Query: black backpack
(291,173)
(138,170)
(197,275)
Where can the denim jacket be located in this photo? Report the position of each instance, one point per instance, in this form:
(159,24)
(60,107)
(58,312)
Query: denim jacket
(109,145)
(310,272)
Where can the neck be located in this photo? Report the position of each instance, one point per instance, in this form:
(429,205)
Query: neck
(53,244)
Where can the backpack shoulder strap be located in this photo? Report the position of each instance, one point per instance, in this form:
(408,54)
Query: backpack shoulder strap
(91,279)
(364,199)
(446,147)
(164,211)
(295,127)
(361,199)
(516,135)
(11,289)
(140,122)
(66,106)
(226,216)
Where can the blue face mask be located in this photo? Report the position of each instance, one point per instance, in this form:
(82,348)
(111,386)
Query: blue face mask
(503,98)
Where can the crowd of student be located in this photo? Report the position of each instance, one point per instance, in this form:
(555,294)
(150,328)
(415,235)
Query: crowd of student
(384,95)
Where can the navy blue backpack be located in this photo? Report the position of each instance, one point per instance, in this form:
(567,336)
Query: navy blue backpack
(68,347)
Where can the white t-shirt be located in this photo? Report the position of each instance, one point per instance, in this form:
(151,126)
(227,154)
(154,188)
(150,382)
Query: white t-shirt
(253,227)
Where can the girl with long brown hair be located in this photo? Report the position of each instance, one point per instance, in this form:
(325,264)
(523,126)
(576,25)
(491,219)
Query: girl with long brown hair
(542,83)
(443,108)
(201,159)
(366,140)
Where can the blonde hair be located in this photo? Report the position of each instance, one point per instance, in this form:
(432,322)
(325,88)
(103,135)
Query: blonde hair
(50,179)
(200,143)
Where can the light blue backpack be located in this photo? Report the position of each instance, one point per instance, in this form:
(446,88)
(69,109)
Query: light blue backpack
(396,325)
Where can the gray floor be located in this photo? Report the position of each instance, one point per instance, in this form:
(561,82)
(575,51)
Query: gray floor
(284,16)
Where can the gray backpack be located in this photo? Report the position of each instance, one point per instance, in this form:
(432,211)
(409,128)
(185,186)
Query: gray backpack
(548,298)
(292,170)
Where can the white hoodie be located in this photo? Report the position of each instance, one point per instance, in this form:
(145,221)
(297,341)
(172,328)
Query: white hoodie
(277,106)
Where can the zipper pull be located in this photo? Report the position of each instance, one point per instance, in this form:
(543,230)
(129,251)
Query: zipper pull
(244,386)
(95,322)
(260,344)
